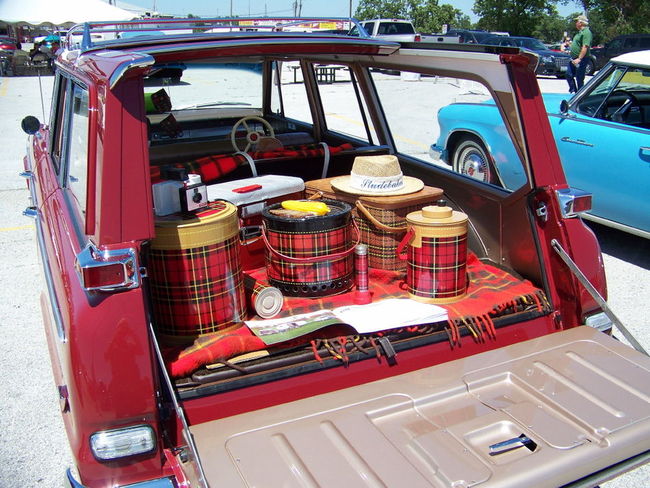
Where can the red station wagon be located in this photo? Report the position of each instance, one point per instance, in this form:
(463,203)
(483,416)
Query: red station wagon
(196,194)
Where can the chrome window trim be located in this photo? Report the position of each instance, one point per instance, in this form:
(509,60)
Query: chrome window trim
(138,61)
(578,117)
(35,212)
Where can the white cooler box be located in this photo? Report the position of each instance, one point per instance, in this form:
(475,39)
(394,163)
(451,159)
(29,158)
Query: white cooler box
(251,195)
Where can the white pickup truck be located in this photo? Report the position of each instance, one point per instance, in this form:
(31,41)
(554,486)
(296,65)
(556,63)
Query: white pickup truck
(400,30)
(397,30)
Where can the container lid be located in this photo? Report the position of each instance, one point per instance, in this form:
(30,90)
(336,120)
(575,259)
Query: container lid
(212,225)
(436,215)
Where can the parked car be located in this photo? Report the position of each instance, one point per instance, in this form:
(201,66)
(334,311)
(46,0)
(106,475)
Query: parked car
(162,384)
(398,30)
(602,133)
(626,43)
(590,68)
(7,49)
(550,62)
(7,45)
(469,36)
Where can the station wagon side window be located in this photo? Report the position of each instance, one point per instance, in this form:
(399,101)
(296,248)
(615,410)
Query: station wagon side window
(77,157)
(57,118)
(343,105)
(290,99)
(463,130)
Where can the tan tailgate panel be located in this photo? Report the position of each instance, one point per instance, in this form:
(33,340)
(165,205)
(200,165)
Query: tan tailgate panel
(582,398)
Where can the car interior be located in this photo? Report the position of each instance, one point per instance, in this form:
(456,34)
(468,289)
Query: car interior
(622,95)
(274,128)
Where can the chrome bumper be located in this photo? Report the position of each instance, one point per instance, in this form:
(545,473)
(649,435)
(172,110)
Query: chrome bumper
(71,482)
(438,153)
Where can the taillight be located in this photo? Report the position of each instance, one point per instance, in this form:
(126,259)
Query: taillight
(107,270)
(107,445)
(103,276)
(573,202)
(417,38)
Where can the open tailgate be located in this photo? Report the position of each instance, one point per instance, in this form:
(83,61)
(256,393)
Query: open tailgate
(579,396)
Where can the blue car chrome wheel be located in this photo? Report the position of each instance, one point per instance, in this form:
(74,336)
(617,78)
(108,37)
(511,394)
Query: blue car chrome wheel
(471,158)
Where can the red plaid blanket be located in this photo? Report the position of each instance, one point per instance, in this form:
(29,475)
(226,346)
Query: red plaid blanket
(492,292)
(212,168)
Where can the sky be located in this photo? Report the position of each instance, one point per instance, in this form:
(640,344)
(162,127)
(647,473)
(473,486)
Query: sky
(271,8)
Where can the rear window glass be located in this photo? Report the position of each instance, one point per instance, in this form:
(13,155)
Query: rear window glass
(204,85)
(395,28)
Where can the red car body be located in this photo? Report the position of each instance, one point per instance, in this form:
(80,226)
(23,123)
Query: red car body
(103,354)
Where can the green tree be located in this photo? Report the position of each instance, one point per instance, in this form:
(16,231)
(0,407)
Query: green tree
(518,17)
(610,18)
(381,9)
(550,28)
(426,15)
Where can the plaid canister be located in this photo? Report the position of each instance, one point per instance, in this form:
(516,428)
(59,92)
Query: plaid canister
(195,273)
(262,299)
(310,256)
(436,255)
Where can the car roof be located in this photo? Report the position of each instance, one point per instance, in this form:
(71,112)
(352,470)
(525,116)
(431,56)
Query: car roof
(639,58)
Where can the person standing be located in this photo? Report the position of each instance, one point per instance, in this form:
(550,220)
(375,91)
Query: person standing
(579,50)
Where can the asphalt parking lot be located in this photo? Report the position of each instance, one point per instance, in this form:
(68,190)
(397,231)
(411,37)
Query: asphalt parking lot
(34,450)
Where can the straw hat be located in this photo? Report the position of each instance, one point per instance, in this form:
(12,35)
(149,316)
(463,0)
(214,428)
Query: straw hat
(377,176)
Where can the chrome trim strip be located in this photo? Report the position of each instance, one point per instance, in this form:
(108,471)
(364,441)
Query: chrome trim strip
(576,141)
(54,300)
(34,212)
(384,48)
(142,61)
(616,225)
(578,117)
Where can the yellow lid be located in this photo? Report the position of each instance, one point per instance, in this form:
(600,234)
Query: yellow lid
(215,224)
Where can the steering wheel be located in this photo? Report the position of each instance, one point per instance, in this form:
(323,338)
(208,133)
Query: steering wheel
(252,136)
(623,111)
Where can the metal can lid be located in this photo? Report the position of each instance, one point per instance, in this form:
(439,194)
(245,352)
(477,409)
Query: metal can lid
(268,302)
(361,249)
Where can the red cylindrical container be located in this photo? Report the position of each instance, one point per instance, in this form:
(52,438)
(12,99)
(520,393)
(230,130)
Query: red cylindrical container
(437,254)
(310,256)
(195,273)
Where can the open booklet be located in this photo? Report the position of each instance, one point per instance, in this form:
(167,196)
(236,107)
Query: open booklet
(386,314)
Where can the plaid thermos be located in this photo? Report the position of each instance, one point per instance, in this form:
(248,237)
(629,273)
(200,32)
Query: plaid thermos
(437,254)
(195,273)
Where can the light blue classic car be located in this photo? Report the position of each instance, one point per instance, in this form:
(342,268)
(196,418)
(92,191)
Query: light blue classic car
(602,134)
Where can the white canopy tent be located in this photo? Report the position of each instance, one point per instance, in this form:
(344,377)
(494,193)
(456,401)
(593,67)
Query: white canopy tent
(36,12)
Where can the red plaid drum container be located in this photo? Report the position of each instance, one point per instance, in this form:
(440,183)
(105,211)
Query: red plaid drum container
(436,255)
(195,273)
(310,256)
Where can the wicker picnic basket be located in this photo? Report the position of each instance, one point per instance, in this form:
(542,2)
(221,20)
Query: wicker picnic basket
(381,219)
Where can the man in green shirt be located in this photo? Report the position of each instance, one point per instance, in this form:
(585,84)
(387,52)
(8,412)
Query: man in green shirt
(575,73)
